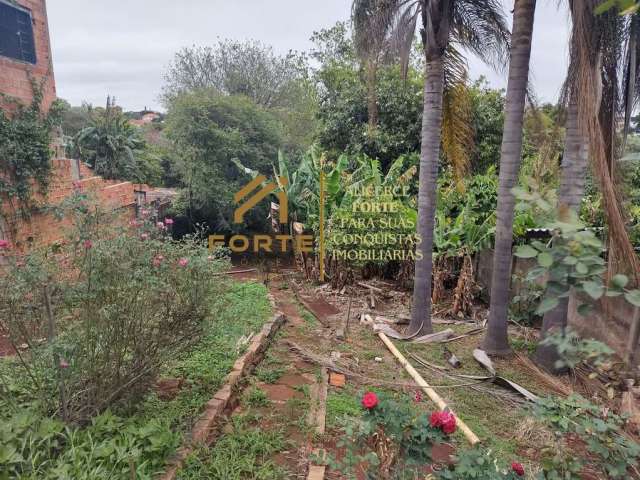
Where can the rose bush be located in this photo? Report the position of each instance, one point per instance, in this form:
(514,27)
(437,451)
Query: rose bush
(98,314)
(393,437)
(478,463)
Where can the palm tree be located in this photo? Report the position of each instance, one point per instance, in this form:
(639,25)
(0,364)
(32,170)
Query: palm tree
(368,16)
(496,341)
(109,144)
(594,100)
(476,25)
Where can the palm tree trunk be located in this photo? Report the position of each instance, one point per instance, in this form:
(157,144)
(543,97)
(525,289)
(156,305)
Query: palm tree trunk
(572,178)
(496,340)
(372,94)
(429,163)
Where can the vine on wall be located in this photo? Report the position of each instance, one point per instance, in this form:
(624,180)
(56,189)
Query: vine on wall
(25,152)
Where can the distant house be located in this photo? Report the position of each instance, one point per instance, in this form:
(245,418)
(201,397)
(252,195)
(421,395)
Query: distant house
(145,117)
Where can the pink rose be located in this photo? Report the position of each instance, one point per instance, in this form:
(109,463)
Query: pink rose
(183,262)
(418,396)
(63,363)
(160,225)
(168,221)
(4,244)
(144,236)
(88,244)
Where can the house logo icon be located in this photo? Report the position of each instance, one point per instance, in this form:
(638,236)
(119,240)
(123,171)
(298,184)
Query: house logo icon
(268,188)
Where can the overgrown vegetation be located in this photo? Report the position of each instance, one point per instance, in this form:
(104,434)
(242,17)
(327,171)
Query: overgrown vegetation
(25,152)
(96,321)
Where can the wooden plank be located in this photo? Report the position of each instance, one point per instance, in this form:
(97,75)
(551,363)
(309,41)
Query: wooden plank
(316,472)
(426,388)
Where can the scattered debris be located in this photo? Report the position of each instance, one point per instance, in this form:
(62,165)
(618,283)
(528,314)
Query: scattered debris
(234,272)
(430,338)
(243,341)
(337,379)
(483,359)
(341,332)
(475,331)
(451,358)
(365,319)
(371,288)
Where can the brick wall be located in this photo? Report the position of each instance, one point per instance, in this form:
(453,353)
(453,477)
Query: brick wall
(14,75)
(44,228)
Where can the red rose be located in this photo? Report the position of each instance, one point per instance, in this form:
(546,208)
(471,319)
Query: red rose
(370,400)
(448,422)
(436,419)
(518,468)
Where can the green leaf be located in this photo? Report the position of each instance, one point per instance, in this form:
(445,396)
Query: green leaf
(526,251)
(548,304)
(582,269)
(585,309)
(604,6)
(633,297)
(594,289)
(620,281)
(545,259)
(570,260)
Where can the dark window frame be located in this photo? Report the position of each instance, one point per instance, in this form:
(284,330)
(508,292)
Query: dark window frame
(33,53)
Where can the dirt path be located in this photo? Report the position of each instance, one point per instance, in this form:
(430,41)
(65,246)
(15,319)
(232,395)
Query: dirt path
(282,396)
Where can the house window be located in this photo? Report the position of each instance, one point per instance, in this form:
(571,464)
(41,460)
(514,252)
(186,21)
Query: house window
(16,33)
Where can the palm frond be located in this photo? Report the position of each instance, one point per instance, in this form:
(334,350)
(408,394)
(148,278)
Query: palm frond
(457,132)
(481,27)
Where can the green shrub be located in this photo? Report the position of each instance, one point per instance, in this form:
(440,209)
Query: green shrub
(478,463)
(114,304)
(108,448)
(609,449)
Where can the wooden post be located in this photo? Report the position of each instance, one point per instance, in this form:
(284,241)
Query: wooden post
(426,388)
(634,336)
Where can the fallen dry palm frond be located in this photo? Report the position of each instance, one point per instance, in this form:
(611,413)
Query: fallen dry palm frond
(552,383)
(483,386)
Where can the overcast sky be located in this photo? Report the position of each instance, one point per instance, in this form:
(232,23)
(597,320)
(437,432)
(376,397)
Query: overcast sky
(122,48)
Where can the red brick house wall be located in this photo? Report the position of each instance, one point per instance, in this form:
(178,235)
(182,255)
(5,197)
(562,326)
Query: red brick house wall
(43,228)
(14,75)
